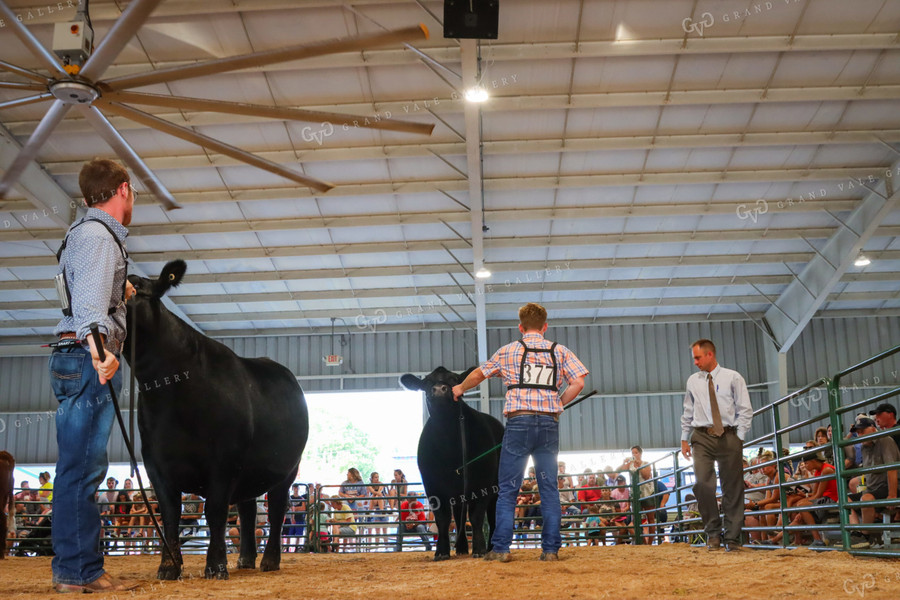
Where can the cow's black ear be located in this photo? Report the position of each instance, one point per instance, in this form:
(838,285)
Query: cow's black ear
(169,277)
(411,382)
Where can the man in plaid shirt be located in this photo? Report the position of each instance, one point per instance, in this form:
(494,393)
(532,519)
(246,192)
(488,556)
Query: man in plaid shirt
(532,369)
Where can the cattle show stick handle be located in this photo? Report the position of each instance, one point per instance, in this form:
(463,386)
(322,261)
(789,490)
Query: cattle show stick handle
(101,354)
(485,453)
(574,402)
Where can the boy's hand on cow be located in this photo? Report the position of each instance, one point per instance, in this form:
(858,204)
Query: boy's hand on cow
(457,392)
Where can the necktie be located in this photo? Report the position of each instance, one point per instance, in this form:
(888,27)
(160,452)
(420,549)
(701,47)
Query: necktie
(717,429)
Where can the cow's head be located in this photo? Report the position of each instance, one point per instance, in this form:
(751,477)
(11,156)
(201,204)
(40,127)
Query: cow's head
(170,276)
(436,385)
(144,307)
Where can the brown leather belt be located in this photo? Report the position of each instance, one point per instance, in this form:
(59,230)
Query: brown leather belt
(708,430)
(68,335)
(521,413)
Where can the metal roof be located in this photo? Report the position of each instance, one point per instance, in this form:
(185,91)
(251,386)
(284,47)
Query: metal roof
(642,160)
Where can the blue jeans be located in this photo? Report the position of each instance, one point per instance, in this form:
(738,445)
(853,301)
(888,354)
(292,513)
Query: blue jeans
(537,436)
(419,530)
(84,420)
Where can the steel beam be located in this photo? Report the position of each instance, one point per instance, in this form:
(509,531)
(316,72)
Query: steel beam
(802,298)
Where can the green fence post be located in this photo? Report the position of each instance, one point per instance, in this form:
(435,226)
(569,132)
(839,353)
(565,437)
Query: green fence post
(834,403)
(776,423)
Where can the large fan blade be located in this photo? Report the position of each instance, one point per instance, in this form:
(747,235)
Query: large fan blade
(127,154)
(26,87)
(267,57)
(56,114)
(25,101)
(274,112)
(23,72)
(49,62)
(207,142)
(122,32)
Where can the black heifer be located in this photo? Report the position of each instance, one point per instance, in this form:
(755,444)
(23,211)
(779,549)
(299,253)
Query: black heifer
(214,424)
(440,457)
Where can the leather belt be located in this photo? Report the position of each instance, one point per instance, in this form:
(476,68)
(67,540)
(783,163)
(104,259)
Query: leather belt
(708,430)
(522,413)
(68,335)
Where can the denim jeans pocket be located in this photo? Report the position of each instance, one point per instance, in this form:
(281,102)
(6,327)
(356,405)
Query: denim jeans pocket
(66,374)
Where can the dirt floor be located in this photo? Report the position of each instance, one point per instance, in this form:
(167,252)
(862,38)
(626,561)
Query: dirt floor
(668,571)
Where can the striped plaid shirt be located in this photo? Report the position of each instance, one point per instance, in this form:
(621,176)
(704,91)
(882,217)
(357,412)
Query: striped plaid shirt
(507,360)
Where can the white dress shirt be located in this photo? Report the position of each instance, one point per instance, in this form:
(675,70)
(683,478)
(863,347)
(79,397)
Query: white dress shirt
(733,399)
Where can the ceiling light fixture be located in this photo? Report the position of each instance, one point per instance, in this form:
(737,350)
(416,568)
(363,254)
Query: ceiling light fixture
(862,261)
(482,273)
(476,94)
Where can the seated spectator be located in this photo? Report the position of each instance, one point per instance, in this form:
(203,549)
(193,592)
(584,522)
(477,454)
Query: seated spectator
(609,476)
(523,504)
(397,489)
(412,522)
(122,511)
(562,471)
(821,439)
(567,502)
(191,511)
(622,493)
(886,418)
(352,489)
(588,494)
(771,500)
(22,496)
(879,485)
(46,492)
(129,486)
(824,493)
(343,527)
(662,515)
(753,479)
(140,517)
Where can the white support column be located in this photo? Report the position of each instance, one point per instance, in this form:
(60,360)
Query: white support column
(776,373)
(468,50)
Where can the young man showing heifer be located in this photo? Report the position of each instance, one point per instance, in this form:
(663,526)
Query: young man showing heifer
(532,369)
(92,261)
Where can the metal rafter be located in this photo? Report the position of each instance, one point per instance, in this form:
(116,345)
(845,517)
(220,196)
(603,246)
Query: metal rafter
(799,302)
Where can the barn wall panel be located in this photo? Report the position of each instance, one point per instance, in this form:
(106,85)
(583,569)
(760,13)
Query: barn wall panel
(639,372)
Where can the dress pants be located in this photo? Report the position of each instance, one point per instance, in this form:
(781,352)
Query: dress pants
(726,450)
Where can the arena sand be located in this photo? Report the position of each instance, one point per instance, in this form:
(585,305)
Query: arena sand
(668,571)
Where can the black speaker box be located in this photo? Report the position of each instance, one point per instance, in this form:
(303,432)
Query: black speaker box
(471,19)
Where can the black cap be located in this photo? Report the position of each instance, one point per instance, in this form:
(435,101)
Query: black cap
(862,424)
(884,408)
(620,478)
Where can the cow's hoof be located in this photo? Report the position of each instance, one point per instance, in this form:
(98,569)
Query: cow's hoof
(269,565)
(219,572)
(244,563)
(478,555)
(168,573)
(438,557)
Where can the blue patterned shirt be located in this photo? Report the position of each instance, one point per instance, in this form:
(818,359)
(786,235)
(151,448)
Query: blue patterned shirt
(95,270)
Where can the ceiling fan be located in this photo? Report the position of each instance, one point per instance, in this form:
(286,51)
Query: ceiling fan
(75,80)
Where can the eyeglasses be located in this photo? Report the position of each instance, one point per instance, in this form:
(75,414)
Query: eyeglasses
(134,193)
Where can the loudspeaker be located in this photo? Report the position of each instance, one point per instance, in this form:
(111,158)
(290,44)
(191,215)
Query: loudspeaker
(471,19)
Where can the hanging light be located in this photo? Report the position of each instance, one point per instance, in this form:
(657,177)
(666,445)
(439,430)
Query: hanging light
(482,273)
(476,94)
(862,261)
